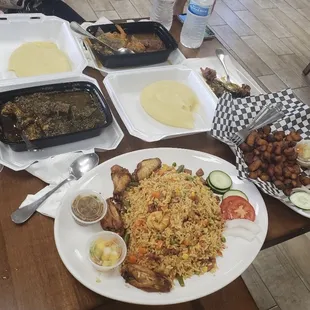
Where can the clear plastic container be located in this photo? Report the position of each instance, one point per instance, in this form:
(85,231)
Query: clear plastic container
(303,151)
(162,12)
(193,30)
(85,193)
(107,236)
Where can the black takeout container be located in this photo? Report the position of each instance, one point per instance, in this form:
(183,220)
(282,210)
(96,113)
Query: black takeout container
(65,138)
(138,59)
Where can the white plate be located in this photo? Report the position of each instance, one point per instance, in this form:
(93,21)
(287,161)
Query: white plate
(71,238)
(125,88)
(236,72)
(109,138)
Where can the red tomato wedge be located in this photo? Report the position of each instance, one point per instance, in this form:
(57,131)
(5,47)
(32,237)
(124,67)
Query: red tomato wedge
(235,207)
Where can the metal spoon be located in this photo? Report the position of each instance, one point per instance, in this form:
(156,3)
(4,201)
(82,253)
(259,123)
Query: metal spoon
(221,56)
(78,29)
(77,169)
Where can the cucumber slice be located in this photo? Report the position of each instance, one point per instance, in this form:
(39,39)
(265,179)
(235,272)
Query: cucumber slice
(234,192)
(220,180)
(216,190)
(301,200)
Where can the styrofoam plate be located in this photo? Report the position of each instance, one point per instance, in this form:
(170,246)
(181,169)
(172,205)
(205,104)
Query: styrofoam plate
(17,29)
(109,138)
(125,88)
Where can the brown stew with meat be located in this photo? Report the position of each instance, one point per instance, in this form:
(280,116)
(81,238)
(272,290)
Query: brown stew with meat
(139,43)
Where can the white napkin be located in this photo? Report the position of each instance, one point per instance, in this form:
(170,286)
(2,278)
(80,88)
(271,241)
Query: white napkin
(52,170)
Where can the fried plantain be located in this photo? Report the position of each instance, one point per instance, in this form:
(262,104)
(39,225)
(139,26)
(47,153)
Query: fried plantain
(145,168)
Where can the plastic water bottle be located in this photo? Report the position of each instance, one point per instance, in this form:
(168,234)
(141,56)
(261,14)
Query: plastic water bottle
(162,12)
(195,23)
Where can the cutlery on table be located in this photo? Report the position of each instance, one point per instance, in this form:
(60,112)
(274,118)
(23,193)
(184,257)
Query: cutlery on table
(77,169)
(80,30)
(269,114)
(221,56)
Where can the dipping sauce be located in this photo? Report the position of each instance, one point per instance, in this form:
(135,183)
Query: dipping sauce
(105,252)
(303,150)
(88,208)
(171,103)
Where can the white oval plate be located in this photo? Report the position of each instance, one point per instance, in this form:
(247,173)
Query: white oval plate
(71,238)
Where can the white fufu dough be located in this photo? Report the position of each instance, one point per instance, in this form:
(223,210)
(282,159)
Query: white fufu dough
(171,103)
(38,58)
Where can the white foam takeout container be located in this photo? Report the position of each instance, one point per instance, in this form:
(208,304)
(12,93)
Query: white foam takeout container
(17,29)
(125,89)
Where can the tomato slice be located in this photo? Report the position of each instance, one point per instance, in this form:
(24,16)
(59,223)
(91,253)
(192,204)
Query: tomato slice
(236,207)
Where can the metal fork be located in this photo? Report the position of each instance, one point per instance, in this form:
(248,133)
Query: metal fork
(268,115)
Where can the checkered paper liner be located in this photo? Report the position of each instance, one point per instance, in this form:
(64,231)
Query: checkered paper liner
(232,115)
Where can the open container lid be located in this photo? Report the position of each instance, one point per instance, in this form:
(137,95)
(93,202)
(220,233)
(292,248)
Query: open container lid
(17,29)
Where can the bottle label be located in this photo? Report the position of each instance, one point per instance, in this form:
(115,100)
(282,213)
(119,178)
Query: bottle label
(198,10)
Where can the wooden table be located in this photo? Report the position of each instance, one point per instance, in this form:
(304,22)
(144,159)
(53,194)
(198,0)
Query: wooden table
(32,276)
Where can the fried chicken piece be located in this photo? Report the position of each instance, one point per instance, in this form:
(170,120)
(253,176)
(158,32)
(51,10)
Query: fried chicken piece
(112,220)
(145,168)
(120,178)
(146,279)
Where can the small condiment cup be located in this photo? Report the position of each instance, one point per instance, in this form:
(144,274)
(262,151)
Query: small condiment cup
(107,235)
(87,192)
(302,161)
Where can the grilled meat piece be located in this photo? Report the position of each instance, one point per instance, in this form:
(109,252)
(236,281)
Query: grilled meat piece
(146,279)
(153,257)
(208,74)
(200,172)
(120,178)
(112,220)
(136,45)
(219,87)
(145,168)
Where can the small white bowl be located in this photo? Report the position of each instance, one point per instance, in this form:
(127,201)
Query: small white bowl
(107,235)
(88,192)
